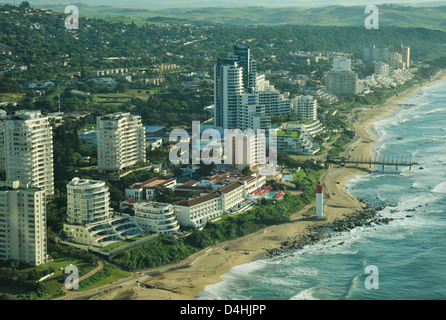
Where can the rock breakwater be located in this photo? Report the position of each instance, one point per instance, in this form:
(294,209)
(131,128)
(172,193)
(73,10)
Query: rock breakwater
(366,217)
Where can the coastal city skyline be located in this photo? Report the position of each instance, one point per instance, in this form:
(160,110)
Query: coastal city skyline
(180,158)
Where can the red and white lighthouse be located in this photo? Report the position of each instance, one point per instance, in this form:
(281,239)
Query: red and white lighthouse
(319,200)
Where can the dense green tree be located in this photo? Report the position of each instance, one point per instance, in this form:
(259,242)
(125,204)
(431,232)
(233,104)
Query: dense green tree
(163,194)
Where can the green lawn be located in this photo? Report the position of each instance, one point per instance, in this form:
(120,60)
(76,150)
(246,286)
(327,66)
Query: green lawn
(61,263)
(115,245)
(115,276)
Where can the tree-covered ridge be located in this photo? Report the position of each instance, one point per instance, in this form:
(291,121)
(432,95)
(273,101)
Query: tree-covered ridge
(241,14)
(40,41)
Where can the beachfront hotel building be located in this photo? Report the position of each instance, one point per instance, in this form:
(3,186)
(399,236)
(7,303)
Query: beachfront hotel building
(89,219)
(305,107)
(26,149)
(121,142)
(22,224)
(231,196)
(198,210)
(156,217)
(218,194)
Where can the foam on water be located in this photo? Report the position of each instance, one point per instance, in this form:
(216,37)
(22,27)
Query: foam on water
(440,188)
(306,294)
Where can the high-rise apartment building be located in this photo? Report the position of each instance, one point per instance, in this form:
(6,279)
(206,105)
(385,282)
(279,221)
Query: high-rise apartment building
(305,107)
(374,54)
(274,102)
(244,100)
(121,142)
(385,54)
(22,223)
(382,68)
(342,82)
(88,201)
(26,149)
(404,52)
(242,55)
(228,87)
(89,220)
(236,77)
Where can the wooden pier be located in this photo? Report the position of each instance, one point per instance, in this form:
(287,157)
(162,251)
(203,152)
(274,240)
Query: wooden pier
(397,161)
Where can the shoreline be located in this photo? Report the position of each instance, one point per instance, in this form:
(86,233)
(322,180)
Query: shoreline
(186,283)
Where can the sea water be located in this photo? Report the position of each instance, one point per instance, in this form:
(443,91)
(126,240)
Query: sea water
(408,254)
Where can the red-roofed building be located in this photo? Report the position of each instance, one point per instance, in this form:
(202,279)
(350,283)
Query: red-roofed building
(145,190)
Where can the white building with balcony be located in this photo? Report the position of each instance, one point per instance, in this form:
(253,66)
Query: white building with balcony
(156,217)
(26,149)
(198,210)
(89,220)
(231,196)
(22,224)
(305,107)
(121,142)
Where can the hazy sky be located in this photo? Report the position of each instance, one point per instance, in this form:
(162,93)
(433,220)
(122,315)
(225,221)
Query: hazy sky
(159,4)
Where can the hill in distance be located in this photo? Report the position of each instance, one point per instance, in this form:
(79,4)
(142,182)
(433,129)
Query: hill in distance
(389,15)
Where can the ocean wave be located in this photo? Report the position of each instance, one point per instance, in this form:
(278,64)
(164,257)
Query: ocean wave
(436,111)
(282,282)
(440,188)
(222,291)
(306,294)
(352,285)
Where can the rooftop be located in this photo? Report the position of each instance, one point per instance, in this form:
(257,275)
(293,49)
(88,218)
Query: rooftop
(230,187)
(152,183)
(195,201)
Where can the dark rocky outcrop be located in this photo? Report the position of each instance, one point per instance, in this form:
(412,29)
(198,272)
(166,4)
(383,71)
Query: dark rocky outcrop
(366,217)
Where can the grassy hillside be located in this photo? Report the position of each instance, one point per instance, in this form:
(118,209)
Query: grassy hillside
(390,15)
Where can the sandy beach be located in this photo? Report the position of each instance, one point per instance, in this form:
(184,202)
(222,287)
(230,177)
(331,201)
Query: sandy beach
(186,283)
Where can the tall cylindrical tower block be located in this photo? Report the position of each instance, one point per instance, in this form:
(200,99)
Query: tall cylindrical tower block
(319,200)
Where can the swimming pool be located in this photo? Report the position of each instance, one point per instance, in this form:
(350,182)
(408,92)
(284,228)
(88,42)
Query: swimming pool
(288,177)
(271,194)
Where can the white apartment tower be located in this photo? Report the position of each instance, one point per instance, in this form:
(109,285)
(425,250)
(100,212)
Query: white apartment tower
(228,87)
(121,142)
(89,219)
(22,223)
(246,148)
(88,201)
(305,108)
(342,82)
(238,88)
(382,68)
(27,150)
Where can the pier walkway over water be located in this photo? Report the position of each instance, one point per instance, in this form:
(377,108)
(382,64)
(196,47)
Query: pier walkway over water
(397,161)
